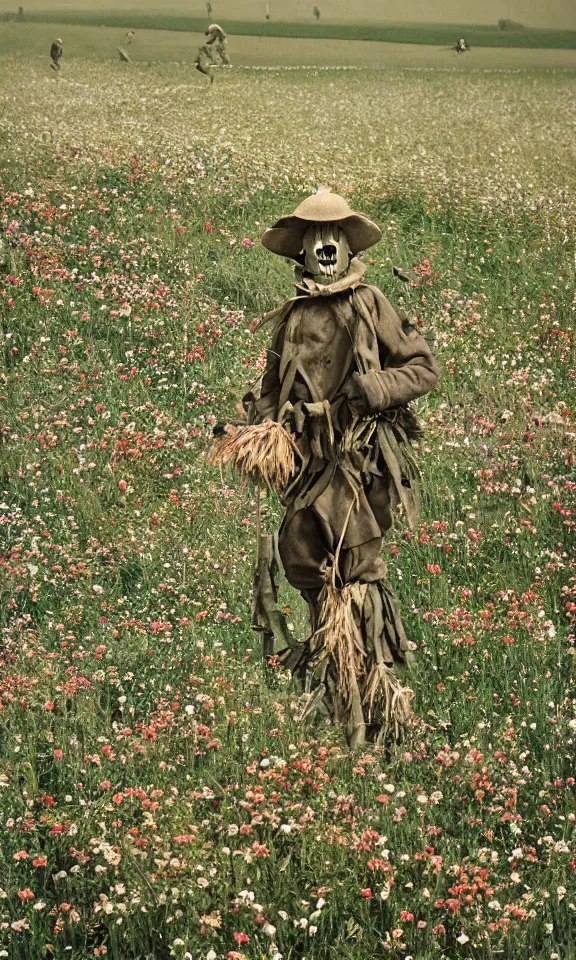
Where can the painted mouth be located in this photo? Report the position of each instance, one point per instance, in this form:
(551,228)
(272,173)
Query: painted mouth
(327,259)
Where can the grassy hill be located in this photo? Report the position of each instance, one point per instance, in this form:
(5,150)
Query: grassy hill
(435,34)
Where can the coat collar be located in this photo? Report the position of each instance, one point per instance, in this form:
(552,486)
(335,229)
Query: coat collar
(307,286)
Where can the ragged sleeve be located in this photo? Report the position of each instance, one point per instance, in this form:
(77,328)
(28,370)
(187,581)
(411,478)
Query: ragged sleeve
(261,403)
(408,367)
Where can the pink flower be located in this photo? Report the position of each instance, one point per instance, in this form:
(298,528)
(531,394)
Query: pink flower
(247,242)
(366,893)
(241,938)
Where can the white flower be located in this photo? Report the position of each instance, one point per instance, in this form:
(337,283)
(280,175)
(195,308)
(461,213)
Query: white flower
(265,763)
(268,929)
(286,828)
(462,938)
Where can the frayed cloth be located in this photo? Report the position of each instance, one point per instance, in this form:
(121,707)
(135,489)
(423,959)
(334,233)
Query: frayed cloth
(351,653)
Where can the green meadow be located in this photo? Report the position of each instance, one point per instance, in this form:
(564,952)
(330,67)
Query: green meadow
(417,33)
(160,796)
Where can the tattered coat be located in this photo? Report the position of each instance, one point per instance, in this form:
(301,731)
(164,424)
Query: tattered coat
(342,367)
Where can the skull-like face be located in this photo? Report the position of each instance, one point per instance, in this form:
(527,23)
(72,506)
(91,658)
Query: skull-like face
(327,254)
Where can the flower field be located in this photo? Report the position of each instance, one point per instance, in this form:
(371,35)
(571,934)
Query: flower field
(159,797)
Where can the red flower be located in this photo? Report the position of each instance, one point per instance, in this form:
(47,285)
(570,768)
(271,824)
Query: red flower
(366,893)
(208,227)
(241,938)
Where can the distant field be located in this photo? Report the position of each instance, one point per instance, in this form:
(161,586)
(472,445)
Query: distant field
(556,13)
(420,33)
(33,39)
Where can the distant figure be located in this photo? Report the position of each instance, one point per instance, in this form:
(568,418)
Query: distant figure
(128,37)
(316,12)
(20,13)
(267,11)
(209,10)
(218,43)
(56,54)
(204,61)
(462,46)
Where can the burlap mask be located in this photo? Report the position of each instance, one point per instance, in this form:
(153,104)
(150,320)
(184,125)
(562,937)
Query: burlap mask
(327,253)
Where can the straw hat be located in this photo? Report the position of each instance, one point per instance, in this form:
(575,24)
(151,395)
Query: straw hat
(286,236)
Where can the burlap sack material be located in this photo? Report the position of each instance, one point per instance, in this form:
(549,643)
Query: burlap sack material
(341,370)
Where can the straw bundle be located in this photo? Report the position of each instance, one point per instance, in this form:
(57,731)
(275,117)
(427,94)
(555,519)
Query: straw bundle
(263,452)
(367,689)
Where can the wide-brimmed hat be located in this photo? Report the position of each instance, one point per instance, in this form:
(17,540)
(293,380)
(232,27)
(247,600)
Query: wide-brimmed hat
(286,236)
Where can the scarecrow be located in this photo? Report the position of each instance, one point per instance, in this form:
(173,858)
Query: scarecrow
(218,42)
(56,54)
(329,425)
(212,51)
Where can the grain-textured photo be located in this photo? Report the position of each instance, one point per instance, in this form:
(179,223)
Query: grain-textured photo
(287,480)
